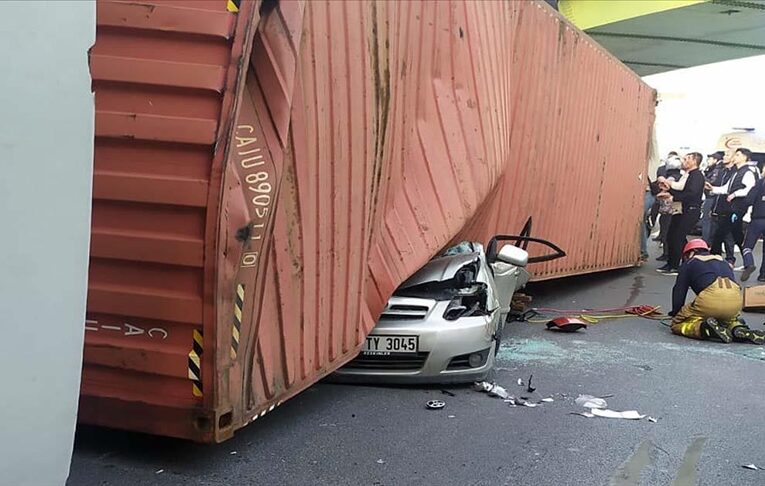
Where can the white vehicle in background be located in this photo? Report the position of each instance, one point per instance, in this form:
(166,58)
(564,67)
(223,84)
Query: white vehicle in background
(444,324)
(745,138)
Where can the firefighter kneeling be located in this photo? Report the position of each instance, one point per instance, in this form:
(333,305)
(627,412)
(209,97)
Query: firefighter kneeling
(714,313)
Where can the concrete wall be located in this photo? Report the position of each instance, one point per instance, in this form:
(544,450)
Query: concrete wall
(46,153)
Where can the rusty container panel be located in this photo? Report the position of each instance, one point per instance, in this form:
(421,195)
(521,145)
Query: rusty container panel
(164,75)
(578,153)
(578,148)
(264,179)
(349,169)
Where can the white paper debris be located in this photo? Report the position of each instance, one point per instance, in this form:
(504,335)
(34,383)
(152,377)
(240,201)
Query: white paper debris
(548,400)
(380,461)
(498,391)
(588,401)
(628,414)
(450,416)
(752,467)
(482,386)
(520,382)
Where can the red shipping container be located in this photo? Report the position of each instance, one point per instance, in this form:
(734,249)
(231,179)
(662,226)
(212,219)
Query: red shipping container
(265,178)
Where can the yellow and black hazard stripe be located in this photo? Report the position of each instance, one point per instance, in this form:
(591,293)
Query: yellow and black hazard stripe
(233,5)
(195,364)
(237,327)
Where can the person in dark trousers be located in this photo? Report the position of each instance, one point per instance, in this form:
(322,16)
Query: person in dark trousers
(711,174)
(721,206)
(714,313)
(736,191)
(670,170)
(690,197)
(756,228)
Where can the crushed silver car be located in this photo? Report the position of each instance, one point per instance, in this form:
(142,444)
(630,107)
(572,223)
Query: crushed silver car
(444,324)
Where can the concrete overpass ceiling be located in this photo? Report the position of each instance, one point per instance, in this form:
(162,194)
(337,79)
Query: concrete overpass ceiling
(698,34)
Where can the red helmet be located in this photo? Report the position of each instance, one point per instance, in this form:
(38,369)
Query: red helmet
(566,324)
(696,244)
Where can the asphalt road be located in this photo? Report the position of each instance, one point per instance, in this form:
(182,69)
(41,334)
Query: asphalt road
(707,399)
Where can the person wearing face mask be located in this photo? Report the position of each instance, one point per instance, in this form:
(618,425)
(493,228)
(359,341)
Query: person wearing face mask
(671,170)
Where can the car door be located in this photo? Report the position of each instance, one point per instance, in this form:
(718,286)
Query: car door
(508,265)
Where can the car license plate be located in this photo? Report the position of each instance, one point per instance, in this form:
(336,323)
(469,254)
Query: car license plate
(385,345)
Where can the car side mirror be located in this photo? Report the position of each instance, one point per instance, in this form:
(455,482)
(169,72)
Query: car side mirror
(513,255)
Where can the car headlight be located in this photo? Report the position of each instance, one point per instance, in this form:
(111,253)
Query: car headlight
(469,301)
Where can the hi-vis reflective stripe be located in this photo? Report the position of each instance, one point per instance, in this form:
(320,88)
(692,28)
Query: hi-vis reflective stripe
(195,364)
(233,5)
(237,327)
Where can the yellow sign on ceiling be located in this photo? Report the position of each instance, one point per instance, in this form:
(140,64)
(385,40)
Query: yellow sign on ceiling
(587,14)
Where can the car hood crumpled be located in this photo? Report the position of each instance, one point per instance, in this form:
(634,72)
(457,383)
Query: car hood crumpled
(443,269)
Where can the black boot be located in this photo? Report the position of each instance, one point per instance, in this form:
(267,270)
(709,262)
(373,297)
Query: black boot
(742,334)
(710,328)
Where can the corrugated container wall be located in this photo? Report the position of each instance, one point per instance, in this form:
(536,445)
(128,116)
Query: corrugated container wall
(265,179)
(579,141)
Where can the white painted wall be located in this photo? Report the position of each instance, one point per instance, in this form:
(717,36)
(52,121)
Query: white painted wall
(46,154)
(699,104)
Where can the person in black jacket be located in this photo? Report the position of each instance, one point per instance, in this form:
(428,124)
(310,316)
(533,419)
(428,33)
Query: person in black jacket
(735,192)
(756,228)
(712,174)
(714,313)
(681,224)
(669,170)
(721,206)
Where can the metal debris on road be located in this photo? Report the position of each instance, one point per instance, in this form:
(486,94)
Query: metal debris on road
(511,401)
(751,466)
(589,401)
(435,404)
(652,420)
(629,414)
(583,414)
(530,388)
(451,416)
(492,389)
(520,382)
(233,453)
(498,391)
(160,471)
(447,392)
(380,461)
(530,404)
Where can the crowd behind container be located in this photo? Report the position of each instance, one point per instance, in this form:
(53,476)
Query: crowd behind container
(731,214)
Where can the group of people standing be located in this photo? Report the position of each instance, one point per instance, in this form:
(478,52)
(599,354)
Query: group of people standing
(720,197)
